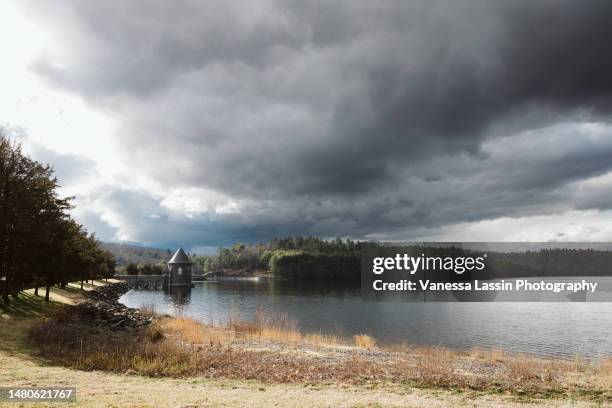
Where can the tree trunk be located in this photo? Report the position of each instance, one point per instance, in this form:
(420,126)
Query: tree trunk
(36,290)
(63,285)
(81,285)
(47,293)
(5,294)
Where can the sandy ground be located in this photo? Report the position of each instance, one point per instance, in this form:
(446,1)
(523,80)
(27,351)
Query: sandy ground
(97,389)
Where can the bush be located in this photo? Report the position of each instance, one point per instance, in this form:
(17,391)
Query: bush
(131,269)
(145,269)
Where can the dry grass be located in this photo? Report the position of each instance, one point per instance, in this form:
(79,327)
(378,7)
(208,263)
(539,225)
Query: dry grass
(493,354)
(148,310)
(147,352)
(264,328)
(604,373)
(497,355)
(182,347)
(323,340)
(436,368)
(103,389)
(276,327)
(525,369)
(605,366)
(364,341)
(189,331)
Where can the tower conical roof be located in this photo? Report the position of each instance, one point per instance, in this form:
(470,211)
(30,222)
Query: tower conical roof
(179,257)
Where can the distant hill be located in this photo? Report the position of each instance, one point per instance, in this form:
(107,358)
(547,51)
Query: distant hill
(125,254)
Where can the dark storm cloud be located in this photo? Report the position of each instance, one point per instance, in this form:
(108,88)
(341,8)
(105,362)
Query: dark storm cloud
(118,214)
(349,118)
(67,168)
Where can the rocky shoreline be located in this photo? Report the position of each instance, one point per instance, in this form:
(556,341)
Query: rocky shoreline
(102,309)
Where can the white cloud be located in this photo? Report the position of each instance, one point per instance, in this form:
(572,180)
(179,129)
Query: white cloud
(51,118)
(570,226)
(198,201)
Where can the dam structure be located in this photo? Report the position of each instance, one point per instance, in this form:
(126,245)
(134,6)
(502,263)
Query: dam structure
(178,275)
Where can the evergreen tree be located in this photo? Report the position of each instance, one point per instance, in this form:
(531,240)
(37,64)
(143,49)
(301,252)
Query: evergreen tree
(39,243)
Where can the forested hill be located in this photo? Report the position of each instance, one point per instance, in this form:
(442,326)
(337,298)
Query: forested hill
(138,255)
(316,259)
(312,258)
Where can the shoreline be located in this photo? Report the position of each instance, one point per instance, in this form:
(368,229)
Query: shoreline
(277,356)
(462,326)
(101,308)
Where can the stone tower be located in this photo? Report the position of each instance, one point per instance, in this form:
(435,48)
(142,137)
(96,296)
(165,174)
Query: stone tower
(179,270)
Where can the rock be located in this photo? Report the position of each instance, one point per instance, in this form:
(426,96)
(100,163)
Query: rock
(103,309)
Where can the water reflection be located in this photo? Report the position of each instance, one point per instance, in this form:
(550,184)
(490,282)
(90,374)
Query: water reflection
(180,296)
(548,329)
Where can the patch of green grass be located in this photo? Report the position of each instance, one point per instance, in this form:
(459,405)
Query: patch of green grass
(23,310)
(29,305)
(16,318)
(26,305)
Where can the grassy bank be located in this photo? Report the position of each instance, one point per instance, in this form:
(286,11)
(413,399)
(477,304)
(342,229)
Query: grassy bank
(259,359)
(270,349)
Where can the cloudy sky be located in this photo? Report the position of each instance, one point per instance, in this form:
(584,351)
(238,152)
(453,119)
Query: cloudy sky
(203,123)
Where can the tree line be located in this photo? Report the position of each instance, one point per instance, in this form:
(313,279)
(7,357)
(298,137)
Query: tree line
(312,258)
(40,244)
(145,269)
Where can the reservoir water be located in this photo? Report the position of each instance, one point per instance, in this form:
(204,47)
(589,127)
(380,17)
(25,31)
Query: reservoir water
(543,329)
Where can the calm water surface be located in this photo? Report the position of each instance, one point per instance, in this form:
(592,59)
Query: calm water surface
(546,329)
